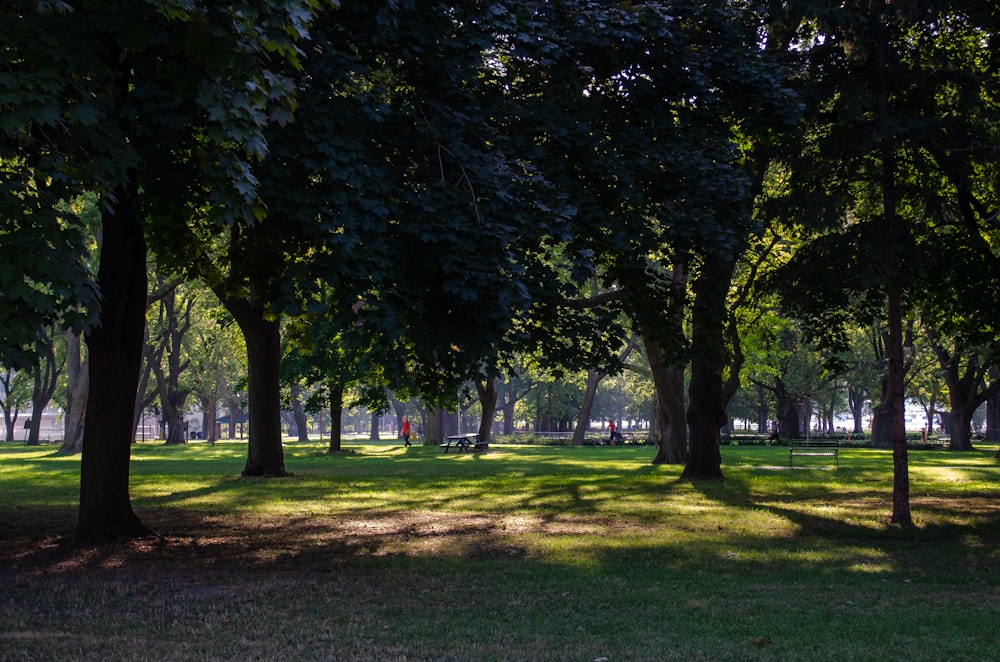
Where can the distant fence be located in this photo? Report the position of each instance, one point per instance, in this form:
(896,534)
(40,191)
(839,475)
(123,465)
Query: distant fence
(591,436)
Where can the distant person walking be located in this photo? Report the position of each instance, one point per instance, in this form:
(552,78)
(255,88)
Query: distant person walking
(406,431)
(611,429)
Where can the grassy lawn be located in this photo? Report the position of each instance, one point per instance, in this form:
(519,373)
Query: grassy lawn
(520,553)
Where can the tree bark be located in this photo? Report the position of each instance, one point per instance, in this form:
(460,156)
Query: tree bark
(993,415)
(115,349)
(45,374)
(78,378)
(789,412)
(434,434)
(336,419)
(583,418)
(265,455)
(175,319)
(299,413)
(488,402)
(706,409)
(900,460)
(668,384)
(964,392)
(209,407)
(856,400)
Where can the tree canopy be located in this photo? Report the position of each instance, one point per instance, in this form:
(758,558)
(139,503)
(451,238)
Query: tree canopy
(422,192)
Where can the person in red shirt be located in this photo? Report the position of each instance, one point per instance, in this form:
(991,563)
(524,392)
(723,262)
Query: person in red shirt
(406,431)
(611,428)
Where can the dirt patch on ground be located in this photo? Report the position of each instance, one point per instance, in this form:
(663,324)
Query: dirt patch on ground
(206,540)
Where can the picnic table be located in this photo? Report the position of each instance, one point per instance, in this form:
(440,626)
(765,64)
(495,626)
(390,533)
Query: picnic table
(814,448)
(464,442)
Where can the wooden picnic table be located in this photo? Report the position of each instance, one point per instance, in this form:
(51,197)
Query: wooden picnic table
(464,442)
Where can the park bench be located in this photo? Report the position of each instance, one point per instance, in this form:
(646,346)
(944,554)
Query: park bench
(814,448)
(464,443)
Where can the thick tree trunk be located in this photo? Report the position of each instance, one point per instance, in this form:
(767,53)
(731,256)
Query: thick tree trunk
(265,455)
(508,418)
(789,413)
(434,434)
(668,384)
(968,388)
(299,413)
(373,435)
(336,419)
(9,420)
(115,349)
(209,407)
(488,402)
(583,418)
(856,402)
(175,423)
(993,417)
(882,421)
(707,409)
(961,431)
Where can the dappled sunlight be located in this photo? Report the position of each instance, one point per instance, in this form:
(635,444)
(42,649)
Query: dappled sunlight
(956,472)
(583,510)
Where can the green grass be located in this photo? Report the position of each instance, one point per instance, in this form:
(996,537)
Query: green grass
(521,553)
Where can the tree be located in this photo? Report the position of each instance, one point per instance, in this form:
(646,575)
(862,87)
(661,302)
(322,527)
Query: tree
(14,394)
(129,93)
(665,107)
(594,378)
(44,374)
(167,355)
(965,369)
(794,375)
(901,92)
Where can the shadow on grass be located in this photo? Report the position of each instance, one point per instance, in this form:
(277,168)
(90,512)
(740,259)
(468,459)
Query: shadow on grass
(592,511)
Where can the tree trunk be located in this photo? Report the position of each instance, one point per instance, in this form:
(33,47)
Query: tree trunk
(488,401)
(763,412)
(668,384)
(336,418)
(265,455)
(209,407)
(508,417)
(434,434)
(44,374)
(882,420)
(583,418)
(115,349)
(856,402)
(968,388)
(143,399)
(299,413)
(78,377)
(900,459)
(789,413)
(374,434)
(236,411)
(993,417)
(174,417)
(706,409)
(961,429)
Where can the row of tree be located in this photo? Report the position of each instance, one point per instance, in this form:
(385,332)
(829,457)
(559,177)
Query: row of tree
(194,361)
(415,193)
